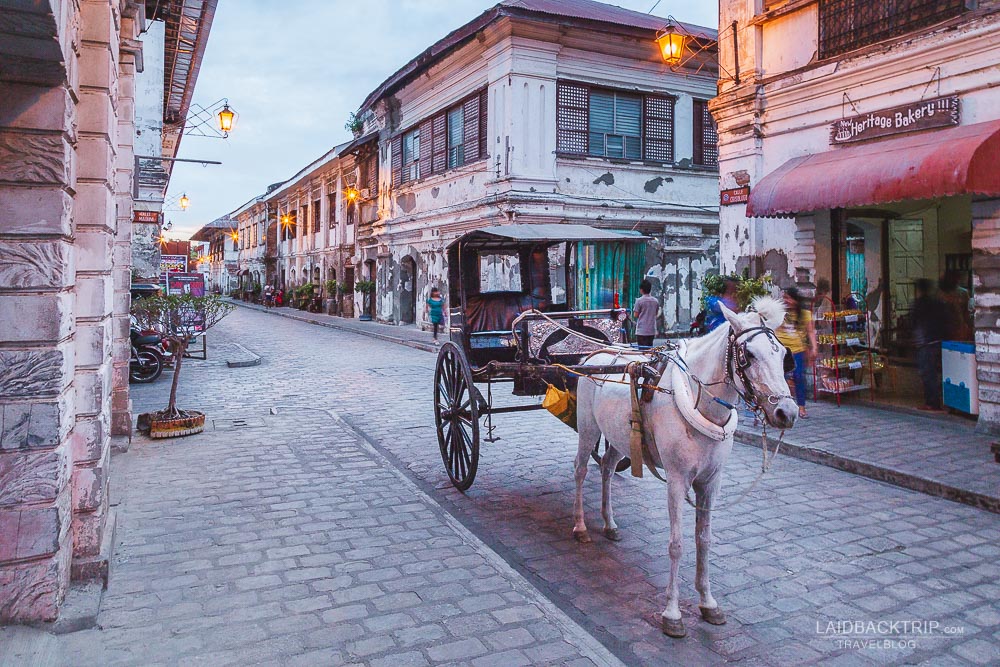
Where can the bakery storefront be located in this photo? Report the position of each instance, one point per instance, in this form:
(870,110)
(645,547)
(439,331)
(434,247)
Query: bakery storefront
(902,194)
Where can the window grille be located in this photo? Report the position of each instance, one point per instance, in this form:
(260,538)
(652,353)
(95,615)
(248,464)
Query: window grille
(845,25)
(706,136)
(608,123)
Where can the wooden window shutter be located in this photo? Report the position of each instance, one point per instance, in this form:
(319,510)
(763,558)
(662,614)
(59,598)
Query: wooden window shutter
(470,130)
(426,147)
(572,111)
(396,148)
(439,157)
(373,172)
(658,128)
(699,133)
(483,103)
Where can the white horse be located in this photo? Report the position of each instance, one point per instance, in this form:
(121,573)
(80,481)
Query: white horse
(689,432)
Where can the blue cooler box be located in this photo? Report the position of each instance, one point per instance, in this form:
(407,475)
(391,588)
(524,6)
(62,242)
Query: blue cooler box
(960,387)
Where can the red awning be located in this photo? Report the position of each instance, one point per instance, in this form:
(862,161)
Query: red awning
(957,161)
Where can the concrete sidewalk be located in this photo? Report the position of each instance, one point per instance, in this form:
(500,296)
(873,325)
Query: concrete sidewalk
(938,455)
(408,335)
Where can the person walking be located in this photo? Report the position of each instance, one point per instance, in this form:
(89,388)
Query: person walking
(929,319)
(644,312)
(435,310)
(713,312)
(799,336)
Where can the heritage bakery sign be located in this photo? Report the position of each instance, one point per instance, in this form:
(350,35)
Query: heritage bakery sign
(923,115)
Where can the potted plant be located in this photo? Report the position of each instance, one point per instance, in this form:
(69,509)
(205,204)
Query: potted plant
(304,294)
(366,288)
(179,319)
(332,290)
(355,125)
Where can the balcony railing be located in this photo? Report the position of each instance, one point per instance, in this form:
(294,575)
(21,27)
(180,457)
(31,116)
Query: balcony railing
(846,25)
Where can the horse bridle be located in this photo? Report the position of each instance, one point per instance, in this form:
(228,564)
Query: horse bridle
(738,361)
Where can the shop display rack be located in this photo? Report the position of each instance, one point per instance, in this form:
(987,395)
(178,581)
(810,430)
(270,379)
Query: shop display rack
(845,362)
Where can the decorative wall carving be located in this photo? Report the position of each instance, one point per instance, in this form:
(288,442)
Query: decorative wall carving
(31,477)
(30,374)
(24,265)
(32,158)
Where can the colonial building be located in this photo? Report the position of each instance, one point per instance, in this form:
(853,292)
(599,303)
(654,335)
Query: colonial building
(220,263)
(542,112)
(251,227)
(868,136)
(67,176)
(534,112)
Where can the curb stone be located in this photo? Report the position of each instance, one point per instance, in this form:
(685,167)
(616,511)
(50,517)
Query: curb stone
(878,473)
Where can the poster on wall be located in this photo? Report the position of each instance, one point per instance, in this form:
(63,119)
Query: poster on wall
(186,283)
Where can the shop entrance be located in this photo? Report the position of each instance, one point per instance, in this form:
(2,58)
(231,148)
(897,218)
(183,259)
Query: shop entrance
(876,258)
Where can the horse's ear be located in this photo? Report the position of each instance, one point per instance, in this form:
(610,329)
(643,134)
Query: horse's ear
(730,316)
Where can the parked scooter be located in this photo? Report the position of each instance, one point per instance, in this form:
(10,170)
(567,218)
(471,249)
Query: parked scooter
(146,362)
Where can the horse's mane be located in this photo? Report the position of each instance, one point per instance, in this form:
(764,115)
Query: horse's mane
(770,309)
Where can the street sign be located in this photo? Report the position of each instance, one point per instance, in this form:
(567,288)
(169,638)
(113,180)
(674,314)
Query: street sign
(923,115)
(152,217)
(735,196)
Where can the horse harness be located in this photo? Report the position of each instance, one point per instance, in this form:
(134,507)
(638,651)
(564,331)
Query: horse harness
(645,379)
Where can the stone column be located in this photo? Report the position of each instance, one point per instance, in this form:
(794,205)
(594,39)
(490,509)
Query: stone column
(37,299)
(96,217)
(986,279)
(121,412)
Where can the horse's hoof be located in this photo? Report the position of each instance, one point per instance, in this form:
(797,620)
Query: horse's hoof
(583,537)
(714,616)
(612,534)
(673,627)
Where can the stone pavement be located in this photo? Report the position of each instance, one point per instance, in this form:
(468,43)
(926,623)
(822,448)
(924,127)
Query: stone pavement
(286,541)
(939,455)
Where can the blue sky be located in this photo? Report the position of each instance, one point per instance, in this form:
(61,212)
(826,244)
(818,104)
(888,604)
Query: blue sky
(295,69)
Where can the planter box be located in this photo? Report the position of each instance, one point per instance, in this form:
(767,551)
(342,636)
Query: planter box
(171,428)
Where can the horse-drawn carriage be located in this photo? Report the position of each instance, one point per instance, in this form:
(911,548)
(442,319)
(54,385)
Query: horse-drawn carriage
(526,309)
(518,305)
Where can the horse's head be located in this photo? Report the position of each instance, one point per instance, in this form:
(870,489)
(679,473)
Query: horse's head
(756,360)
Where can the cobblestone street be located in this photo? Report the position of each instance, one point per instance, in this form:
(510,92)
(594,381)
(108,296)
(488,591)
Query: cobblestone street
(315,525)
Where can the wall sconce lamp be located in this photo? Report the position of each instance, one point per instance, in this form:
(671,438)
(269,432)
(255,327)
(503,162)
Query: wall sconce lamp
(678,46)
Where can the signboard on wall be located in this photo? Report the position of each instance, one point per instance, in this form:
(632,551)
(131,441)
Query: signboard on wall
(735,196)
(173,263)
(151,217)
(923,115)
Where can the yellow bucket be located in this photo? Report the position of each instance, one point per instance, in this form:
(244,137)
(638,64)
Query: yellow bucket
(562,404)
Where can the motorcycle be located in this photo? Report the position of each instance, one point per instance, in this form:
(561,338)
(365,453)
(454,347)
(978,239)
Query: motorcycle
(146,363)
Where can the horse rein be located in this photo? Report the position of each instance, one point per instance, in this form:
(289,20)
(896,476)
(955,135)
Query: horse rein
(738,361)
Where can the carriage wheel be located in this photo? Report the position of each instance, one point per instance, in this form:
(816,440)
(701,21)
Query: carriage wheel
(598,454)
(456,413)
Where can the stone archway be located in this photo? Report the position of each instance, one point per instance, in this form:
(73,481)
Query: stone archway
(408,290)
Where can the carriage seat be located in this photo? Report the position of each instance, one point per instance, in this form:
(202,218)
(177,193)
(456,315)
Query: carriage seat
(496,311)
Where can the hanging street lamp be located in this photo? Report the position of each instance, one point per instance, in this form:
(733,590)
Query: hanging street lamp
(672,43)
(226,119)
(184,201)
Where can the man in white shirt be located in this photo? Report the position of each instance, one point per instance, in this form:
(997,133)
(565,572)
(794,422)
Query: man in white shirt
(644,313)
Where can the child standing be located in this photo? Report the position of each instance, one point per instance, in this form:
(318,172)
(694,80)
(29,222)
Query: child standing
(435,310)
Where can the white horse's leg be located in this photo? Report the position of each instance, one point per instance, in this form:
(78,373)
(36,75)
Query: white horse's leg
(608,465)
(671,621)
(590,434)
(705,496)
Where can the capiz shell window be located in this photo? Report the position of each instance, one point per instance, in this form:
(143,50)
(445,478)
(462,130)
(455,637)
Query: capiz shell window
(615,125)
